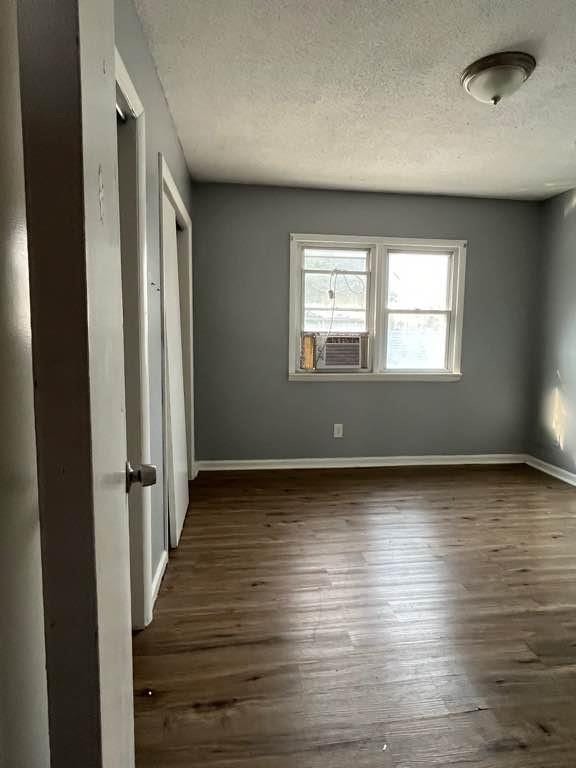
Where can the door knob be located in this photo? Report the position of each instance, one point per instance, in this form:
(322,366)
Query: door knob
(145,474)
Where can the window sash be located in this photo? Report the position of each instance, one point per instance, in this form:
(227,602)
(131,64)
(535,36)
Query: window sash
(411,313)
(307,271)
(341,249)
(384,310)
(370,296)
(425,252)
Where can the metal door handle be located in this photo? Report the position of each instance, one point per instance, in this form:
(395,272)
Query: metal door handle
(145,474)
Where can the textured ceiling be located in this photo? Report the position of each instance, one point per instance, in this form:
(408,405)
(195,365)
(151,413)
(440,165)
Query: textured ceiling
(365,94)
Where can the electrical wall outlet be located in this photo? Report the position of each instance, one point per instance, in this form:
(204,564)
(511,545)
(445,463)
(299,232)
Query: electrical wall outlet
(338,430)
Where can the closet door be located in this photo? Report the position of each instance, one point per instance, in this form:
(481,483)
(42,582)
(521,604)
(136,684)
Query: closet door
(176,449)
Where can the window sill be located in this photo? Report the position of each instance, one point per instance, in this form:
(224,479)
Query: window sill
(388,376)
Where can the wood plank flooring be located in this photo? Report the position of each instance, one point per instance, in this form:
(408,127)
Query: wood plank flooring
(398,618)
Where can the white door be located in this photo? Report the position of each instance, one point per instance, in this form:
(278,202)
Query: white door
(176,450)
(67,59)
(132,188)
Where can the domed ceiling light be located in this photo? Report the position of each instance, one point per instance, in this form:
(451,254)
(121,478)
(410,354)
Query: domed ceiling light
(494,77)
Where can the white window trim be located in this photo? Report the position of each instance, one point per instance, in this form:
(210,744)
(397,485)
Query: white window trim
(378,248)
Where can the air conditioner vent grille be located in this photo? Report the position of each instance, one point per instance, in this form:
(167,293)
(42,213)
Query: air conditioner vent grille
(342,352)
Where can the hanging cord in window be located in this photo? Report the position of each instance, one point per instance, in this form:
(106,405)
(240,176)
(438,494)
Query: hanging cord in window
(332,295)
(334,275)
(354,277)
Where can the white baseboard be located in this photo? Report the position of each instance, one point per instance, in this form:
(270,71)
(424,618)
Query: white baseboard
(389,461)
(157,580)
(552,469)
(365,461)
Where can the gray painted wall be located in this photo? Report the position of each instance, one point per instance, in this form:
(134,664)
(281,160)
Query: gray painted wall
(554,407)
(245,406)
(160,137)
(23,699)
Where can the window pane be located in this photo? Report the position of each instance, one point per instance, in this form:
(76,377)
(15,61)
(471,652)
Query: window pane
(316,289)
(341,321)
(349,291)
(336,258)
(418,280)
(416,342)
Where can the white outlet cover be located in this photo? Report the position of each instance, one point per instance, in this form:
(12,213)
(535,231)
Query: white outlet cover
(338,430)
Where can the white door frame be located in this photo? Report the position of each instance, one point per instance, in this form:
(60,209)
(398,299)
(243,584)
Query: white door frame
(168,186)
(136,352)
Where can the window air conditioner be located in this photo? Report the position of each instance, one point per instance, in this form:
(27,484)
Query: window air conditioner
(343,352)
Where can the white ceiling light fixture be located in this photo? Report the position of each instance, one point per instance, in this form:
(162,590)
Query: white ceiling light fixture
(497,76)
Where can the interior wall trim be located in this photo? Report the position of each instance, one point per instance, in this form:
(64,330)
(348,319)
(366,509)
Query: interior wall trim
(364,461)
(158,576)
(552,469)
(390,461)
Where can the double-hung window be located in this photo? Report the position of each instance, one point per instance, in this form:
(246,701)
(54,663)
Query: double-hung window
(375,308)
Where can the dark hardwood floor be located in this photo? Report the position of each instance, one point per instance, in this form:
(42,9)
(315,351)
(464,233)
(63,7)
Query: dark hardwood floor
(399,618)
